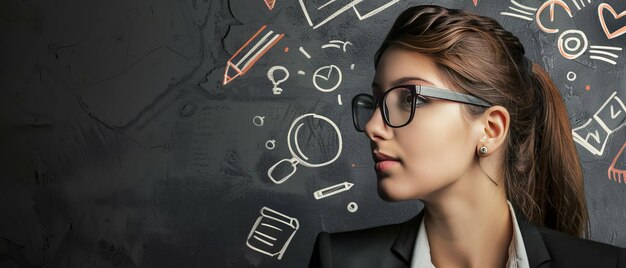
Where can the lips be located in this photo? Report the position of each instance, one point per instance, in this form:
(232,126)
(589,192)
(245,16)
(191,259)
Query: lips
(384,162)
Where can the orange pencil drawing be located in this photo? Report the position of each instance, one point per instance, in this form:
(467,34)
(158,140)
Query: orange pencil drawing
(241,62)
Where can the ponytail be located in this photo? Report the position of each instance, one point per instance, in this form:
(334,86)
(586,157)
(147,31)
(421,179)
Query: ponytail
(558,185)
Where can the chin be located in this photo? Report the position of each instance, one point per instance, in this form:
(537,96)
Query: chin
(388,194)
(384,195)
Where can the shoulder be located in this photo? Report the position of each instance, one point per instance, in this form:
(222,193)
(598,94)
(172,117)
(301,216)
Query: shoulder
(571,251)
(377,234)
(368,247)
(351,242)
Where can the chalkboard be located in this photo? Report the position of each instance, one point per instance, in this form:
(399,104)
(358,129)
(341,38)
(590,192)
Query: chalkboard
(194,133)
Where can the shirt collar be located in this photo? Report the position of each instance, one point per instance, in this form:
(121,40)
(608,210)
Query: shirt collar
(421,250)
(517,251)
(532,242)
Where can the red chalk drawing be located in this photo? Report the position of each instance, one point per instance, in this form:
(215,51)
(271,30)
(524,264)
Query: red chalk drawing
(239,64)
(270,4)
(617,169)
(608,7)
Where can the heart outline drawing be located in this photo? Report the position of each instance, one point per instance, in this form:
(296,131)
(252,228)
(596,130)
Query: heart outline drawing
(608,7)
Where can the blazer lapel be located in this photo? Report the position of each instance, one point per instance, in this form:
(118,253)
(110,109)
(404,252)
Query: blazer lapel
(533,242)
(405,241)
(536,250)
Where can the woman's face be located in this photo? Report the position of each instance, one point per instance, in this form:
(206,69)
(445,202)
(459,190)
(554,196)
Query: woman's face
(435,149)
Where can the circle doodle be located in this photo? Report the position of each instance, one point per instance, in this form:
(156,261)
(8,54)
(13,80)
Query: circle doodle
(576,36)
(353,207)
(270,144)
(258,120)
(571,76)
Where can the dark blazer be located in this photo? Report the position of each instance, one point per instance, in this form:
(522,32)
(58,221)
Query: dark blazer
(392,246)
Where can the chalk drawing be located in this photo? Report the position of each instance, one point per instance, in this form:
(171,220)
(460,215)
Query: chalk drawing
(332,190)
(609,34)
(594,133)
(298,156)
(272,232)
(617,170)
(258,120)
(330,74)
(248,54)
(270,75)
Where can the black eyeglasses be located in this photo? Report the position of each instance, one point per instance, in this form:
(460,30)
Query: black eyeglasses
(398,104)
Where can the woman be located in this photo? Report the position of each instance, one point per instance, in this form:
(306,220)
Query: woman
(461,120)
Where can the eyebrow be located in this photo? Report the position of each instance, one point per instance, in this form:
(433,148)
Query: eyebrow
(402,80)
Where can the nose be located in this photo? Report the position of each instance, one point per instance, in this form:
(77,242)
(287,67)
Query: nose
(375,128)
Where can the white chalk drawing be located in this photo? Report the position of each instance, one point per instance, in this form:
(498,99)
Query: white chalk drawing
(571,76)
(272,232)
(258,120)
(270,144)
(318,14)
(520,11)
(601,50)
(353,207)
(297,155)
(270,75)
(352,66)
(567,38)
(325,12)
(573,43)
(300,72)
(594,133)
(339,99)
(582,3)
(335,44)
(373,12)
(330,74)
(595,137)
(612,114)
(304,53)
(332,190)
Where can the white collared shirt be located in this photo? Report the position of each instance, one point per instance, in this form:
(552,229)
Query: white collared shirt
(517,251)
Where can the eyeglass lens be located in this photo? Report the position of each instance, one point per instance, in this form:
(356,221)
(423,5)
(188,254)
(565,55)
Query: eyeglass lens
(398,103)
(363,109)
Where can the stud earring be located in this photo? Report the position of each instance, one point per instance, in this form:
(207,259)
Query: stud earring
(483,150)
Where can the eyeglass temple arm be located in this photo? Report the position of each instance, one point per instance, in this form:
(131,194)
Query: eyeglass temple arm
(450,95)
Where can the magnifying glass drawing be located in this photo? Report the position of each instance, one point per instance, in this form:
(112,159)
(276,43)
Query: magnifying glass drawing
(298,156)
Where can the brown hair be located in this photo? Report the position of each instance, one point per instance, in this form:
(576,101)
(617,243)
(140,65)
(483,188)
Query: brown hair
(475,55)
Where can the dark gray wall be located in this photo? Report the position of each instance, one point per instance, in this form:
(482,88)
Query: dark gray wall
(122,147)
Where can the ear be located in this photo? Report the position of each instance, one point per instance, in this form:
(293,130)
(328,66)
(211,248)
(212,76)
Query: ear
(495,123)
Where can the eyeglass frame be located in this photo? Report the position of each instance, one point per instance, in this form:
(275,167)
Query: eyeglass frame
(416,91)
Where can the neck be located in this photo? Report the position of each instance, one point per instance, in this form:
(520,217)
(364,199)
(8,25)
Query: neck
(468,224)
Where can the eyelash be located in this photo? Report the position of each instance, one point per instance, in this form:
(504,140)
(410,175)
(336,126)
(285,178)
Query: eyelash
(424,98)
